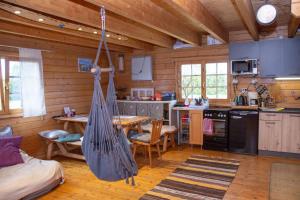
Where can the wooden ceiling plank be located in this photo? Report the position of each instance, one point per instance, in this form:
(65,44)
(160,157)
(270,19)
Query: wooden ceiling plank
(194,12)
(77,13)
(32,32)
(246,12)
(151,15)
(295,18)
(4,15)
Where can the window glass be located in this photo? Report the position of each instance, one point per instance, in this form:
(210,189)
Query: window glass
(191,81)
(14,85)
(216,80)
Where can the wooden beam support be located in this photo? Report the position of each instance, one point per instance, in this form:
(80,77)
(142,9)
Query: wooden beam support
(9,17)
(77,13)
(295,18)
(31,32)
(151,15)
(197,15)
(246,12)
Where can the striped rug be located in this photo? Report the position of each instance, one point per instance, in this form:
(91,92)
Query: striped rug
(199,177)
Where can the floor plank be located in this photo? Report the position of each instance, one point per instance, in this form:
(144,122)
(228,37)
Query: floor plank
(252,180)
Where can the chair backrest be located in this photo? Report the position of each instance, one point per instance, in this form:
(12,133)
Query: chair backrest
(156,130)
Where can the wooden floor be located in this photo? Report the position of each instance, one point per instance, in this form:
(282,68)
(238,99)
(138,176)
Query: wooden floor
(252,180)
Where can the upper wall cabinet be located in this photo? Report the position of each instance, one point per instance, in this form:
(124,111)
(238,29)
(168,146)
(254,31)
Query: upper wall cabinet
(271,59)
(277,57)
(244,50)
(291,57)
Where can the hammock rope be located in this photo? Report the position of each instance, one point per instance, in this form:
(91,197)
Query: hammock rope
(105,145)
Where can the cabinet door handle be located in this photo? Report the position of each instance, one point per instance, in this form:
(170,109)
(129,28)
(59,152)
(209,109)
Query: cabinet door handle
(236,117)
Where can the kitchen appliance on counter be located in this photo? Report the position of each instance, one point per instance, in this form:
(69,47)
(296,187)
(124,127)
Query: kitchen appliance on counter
(243,131)
(252,98)
(218,140)
(240,100)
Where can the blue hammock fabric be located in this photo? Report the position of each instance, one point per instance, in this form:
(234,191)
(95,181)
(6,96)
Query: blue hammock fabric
(105,146)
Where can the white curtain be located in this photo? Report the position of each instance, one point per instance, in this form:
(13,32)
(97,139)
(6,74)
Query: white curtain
(33,98)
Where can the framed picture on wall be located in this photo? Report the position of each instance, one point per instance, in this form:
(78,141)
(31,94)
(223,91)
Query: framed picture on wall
(85,64)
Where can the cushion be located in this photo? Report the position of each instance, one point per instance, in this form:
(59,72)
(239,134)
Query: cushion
(53,134)
(142,137)
(10,155)
(69,138)
(15,140)
(9,151)
(164,129)
(6,131)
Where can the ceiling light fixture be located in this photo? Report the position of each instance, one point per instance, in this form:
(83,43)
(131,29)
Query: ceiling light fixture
(17,12)
(95,32)
(40,19)
(107,35)
(266,14)
(80,29)
(119,38)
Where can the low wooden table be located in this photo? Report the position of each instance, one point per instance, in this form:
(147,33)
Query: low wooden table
(79,121)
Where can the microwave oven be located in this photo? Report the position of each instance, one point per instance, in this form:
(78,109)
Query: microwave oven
(244,67)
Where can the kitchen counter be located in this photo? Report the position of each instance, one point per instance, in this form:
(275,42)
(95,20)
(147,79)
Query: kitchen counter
(148,101)
(282,110)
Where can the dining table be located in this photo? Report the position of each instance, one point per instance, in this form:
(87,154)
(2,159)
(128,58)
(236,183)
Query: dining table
(126,121)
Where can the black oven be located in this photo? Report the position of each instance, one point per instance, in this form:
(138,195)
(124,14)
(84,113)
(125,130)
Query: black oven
(218,138)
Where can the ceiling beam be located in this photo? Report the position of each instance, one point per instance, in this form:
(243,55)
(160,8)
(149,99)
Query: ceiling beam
(32,32)
(197,15)
(246,12)
(4,15)
(80,14)
(295,18)
(151,15)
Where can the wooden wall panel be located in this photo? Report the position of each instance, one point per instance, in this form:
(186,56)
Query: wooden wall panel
(164,73)
(64,86)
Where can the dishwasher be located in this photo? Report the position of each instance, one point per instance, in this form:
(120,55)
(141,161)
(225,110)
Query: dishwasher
(243,131)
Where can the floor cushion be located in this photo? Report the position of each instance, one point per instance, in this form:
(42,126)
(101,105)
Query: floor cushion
(32,176)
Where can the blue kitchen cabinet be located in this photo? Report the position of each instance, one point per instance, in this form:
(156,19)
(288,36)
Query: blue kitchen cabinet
(238,51)
(271,59)
(291,57)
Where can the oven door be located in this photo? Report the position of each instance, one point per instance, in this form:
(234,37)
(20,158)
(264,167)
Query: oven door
(219,128)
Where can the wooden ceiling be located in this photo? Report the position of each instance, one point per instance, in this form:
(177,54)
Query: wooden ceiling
(139,24)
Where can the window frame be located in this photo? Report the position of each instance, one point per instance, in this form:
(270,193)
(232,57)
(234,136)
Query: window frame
(203,63)
(5,94)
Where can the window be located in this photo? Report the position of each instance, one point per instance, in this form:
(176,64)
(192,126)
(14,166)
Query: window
(191,81)
(10,86)
(214,75)
(216,80)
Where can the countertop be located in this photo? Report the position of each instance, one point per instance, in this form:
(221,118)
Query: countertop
(284,110)
(130,101)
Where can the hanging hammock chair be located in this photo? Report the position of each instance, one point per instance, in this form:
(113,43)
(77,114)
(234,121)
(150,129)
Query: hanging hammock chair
(105,147)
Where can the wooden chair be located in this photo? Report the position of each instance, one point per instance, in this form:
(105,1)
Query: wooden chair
(148,139)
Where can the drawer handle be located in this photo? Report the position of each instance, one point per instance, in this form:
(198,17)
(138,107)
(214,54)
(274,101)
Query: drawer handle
(295,115)
(270,122)
(270,115)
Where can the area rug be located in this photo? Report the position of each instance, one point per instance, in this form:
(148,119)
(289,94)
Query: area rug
(285,181)
(199,177)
